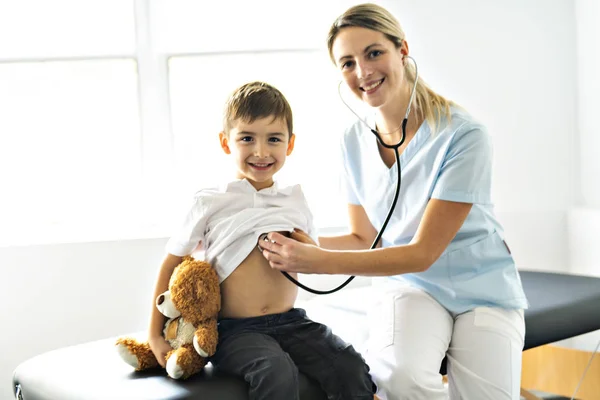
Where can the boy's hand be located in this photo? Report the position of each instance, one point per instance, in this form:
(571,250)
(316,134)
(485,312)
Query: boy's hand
(160,347)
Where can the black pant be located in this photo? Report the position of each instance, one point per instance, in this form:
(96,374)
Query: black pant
(268,352)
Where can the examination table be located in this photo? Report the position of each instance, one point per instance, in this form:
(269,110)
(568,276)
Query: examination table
(561,306)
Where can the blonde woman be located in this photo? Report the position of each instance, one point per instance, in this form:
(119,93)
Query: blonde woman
(445,282)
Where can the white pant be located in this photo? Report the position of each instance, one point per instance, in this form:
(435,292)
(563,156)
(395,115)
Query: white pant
(410,333)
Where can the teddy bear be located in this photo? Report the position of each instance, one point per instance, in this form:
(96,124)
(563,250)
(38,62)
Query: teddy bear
(191,305)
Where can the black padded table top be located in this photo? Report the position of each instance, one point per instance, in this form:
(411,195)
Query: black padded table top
(93,371)
(561,306)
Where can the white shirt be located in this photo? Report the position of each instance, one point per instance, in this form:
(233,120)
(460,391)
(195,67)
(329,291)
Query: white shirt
(453,163)
(229,220)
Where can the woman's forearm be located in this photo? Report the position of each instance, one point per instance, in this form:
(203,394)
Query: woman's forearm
(379,262)
(343,242)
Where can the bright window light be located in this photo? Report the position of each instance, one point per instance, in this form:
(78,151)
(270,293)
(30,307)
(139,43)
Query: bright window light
(69,147)
(190,26)
(66,28)
(199,86)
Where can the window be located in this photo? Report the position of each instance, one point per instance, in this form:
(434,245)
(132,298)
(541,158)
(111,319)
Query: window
(69,148)
(39,29)
(70,126)
(111,109)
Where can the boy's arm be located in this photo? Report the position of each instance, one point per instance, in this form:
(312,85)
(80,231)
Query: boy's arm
(157,320)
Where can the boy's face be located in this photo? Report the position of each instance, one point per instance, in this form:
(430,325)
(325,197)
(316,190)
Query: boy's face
(259,149)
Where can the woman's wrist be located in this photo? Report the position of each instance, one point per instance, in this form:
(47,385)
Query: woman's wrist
(330,262)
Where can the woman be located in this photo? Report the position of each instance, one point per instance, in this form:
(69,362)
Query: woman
(446,281)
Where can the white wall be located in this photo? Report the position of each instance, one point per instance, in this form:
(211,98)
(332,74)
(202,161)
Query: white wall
(584,218)
(511,63)
(588,102)
(66,294)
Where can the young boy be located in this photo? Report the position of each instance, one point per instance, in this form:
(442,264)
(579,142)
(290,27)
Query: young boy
(262,337)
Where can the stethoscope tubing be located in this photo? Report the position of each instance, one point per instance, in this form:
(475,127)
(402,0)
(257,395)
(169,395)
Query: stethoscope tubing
(398,184)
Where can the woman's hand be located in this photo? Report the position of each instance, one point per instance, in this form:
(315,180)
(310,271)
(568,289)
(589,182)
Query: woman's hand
(302,237)
(295,254)
(160,347)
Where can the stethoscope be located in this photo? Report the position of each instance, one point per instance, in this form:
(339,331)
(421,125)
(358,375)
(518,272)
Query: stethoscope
(398,184)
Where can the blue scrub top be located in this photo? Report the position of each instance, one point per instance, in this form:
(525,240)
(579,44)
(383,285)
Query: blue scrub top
(452,163)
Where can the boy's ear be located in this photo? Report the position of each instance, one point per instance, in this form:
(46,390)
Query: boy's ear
(224,142)
(291,145)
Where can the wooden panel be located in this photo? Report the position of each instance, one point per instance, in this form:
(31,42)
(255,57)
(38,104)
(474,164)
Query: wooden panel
(558,370)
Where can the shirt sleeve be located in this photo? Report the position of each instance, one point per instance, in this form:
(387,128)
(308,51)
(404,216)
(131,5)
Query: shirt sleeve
(465,175)
(311,229)
(191,232)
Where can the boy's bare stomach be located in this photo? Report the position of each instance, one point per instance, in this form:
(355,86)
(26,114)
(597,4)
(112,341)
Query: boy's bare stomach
(255,289)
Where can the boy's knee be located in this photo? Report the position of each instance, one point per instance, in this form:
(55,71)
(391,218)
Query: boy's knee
(353,373)
(351,362)
(277,372)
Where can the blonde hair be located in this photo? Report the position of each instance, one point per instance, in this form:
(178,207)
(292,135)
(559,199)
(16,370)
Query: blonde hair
(256,100)
(428,104)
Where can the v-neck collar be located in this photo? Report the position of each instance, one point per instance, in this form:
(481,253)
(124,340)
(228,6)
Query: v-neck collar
(421,136)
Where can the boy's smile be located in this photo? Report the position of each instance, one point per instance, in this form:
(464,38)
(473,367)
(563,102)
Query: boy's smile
(261,166)
(259,148)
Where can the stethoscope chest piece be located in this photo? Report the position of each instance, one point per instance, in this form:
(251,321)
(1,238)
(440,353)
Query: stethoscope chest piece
(263,238)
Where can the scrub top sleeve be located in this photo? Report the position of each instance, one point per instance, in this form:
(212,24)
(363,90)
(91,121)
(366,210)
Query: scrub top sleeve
(347,187)
(191,231)
(465,175)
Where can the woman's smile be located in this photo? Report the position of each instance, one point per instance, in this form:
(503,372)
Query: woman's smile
(372,87)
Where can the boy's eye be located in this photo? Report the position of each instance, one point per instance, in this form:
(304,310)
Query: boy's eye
(246,138)
(274,139)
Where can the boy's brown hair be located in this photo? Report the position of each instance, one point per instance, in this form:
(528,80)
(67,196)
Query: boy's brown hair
(256,100)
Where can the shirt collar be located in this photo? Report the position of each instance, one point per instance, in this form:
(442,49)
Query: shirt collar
(243,185)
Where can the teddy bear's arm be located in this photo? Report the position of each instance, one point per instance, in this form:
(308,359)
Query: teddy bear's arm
(135,353)
(184,362)
(206,338)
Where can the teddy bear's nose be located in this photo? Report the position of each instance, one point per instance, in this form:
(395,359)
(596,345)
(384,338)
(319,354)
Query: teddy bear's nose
(161,299)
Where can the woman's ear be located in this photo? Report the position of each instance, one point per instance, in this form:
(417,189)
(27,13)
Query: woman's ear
(290,147)
(404,48)
(224,139)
